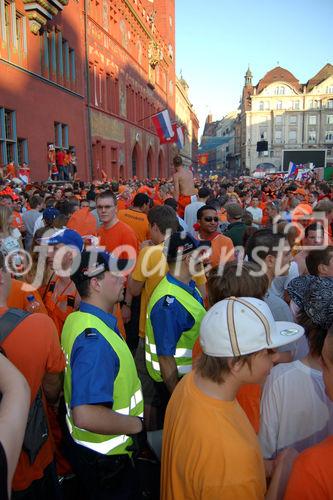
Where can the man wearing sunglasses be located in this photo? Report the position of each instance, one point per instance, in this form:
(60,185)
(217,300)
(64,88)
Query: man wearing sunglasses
(222,248)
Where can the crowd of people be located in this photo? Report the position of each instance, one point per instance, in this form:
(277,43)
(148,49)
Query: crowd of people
(166,338)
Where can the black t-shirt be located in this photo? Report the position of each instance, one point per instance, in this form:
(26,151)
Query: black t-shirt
(3,474)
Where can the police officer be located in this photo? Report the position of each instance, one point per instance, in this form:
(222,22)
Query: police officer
(102,390)
(174,315)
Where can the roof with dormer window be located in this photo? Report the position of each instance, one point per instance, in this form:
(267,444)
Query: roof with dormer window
(278,74)
(321,76)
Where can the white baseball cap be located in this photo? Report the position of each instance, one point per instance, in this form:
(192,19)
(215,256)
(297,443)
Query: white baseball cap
(243,325)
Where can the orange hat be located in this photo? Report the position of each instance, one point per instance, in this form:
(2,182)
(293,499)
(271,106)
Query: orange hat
(301,210)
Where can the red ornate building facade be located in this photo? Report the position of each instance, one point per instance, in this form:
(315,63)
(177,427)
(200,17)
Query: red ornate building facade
(87,77)
(131,54)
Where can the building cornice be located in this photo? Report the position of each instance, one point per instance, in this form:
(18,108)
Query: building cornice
(39,12)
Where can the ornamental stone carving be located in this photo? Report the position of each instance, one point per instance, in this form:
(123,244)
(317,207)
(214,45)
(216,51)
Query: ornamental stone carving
(41,11)
(154,54)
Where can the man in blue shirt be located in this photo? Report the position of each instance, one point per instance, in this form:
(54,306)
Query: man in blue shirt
(170,318)
(175,311)
(102,390)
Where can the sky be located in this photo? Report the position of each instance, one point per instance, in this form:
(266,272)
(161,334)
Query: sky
(217,39)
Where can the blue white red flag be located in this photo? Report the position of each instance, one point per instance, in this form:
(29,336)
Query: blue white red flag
(163,125)
(292,169)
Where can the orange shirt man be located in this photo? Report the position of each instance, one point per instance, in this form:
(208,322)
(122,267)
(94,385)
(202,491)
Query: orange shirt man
(124,198)
(136,216)
(17,221)
(114,233)
(120,239)
(222,248)
(11,171)
(311,477)
(19,293)
(83,222)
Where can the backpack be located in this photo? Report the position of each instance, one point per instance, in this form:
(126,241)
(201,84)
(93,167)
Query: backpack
(36,432)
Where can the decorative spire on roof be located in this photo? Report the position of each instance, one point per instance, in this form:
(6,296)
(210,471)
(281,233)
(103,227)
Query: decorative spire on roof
(248,76)
(183,82)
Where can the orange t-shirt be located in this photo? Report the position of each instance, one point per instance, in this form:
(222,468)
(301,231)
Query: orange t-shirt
(123,204)
(311,477)
(210,451)
(145,189)
(120,322)
(18,296)
(248,395)
(11,170)
(60,301)
(265,217)
(34,348)
(138,221)
(83,222)
(17,220)
(116,236)
(158,202)
(222,215)
(222,250)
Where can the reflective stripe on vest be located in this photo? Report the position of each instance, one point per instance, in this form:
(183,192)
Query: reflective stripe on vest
(183,354)
(127,394)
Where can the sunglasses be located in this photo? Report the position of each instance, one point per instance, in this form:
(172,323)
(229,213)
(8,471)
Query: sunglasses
(211,219)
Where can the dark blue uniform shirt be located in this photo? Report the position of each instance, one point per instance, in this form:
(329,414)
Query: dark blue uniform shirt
(94,363)
(170,319)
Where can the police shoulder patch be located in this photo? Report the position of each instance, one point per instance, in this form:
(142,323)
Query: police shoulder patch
(168,300)
(90,333)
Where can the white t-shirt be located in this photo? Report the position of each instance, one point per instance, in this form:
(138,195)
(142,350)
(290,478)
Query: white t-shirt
(256,214)
(295,411)
(182,224)
(10,244)
(280,283)
(190,216)
(39,223)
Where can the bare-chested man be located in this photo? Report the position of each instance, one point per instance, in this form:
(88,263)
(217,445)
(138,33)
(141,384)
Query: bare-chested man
(314,236)
(184,185)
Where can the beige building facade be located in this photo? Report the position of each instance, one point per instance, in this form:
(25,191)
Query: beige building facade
(287,114)
(186,116)
(225,153)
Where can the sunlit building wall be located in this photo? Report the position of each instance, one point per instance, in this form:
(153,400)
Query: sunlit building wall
(287,114)
(87,75)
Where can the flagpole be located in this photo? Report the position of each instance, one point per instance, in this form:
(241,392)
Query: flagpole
(151,116)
